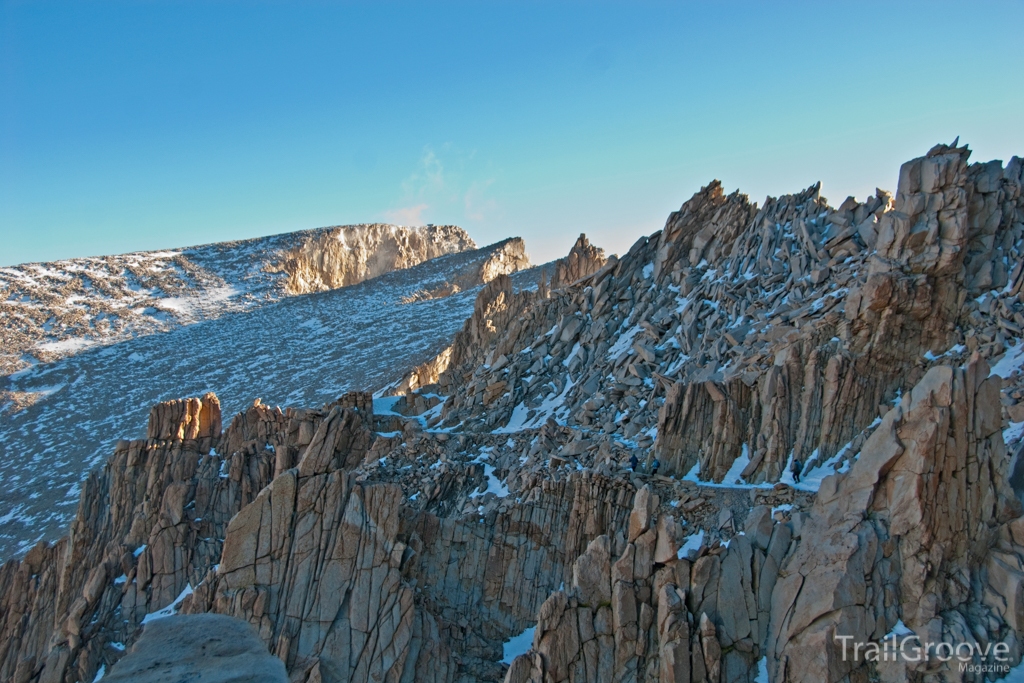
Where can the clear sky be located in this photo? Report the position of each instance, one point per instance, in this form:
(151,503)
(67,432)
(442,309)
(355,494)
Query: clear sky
(145,125)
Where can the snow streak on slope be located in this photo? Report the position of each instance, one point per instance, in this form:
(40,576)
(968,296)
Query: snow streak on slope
(304,350)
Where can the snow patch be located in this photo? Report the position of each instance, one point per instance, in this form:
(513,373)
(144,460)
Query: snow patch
(1010,362)
(952,351)
(624,342)
(67,346)
(1013,433)
(572,354)
(692,543)
(551,406)
(494,485)
(15,513)
(811,479)
(735,473)
(385,406)
(186,307)
(899,630)
(171,609)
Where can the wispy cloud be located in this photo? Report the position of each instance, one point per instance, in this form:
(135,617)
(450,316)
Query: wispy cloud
(407,215)
(428,178)
(446,183)
(476,205)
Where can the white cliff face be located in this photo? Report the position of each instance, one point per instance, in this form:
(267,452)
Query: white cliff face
(344,256)
(54,310)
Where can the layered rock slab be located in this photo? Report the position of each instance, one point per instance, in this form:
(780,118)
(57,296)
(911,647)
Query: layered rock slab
(912,532)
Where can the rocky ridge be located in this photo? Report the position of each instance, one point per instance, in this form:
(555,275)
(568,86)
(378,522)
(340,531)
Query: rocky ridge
(761,335)
(582,259)
(413,537)
(52,310)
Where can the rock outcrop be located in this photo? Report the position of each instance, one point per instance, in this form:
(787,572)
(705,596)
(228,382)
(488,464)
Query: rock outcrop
(509,258)
(921,529)
(347,255)
(494,306)
(583,259)
(504,258)
(173,507)
(647,613)
(148,528)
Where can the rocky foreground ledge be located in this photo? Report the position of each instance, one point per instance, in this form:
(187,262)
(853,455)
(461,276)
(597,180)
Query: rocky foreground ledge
(208,648)
(830,396)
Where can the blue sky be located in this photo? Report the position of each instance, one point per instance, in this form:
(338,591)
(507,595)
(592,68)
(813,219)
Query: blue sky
(145,125)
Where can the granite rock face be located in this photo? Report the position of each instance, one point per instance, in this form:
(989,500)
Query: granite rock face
(759,434)
(649,615)
(918,530)
(347,255)
(922,530)
(149,524)
(583,259)
(166,527)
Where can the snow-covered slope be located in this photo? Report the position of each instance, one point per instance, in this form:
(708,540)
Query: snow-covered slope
(301,350)
(53,310)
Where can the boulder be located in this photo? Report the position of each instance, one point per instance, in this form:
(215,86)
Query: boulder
(199,648)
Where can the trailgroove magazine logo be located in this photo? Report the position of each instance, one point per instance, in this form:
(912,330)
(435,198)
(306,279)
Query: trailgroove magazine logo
(907,647)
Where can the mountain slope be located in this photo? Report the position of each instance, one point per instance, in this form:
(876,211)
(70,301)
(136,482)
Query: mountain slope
(303,350)
(52,310)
